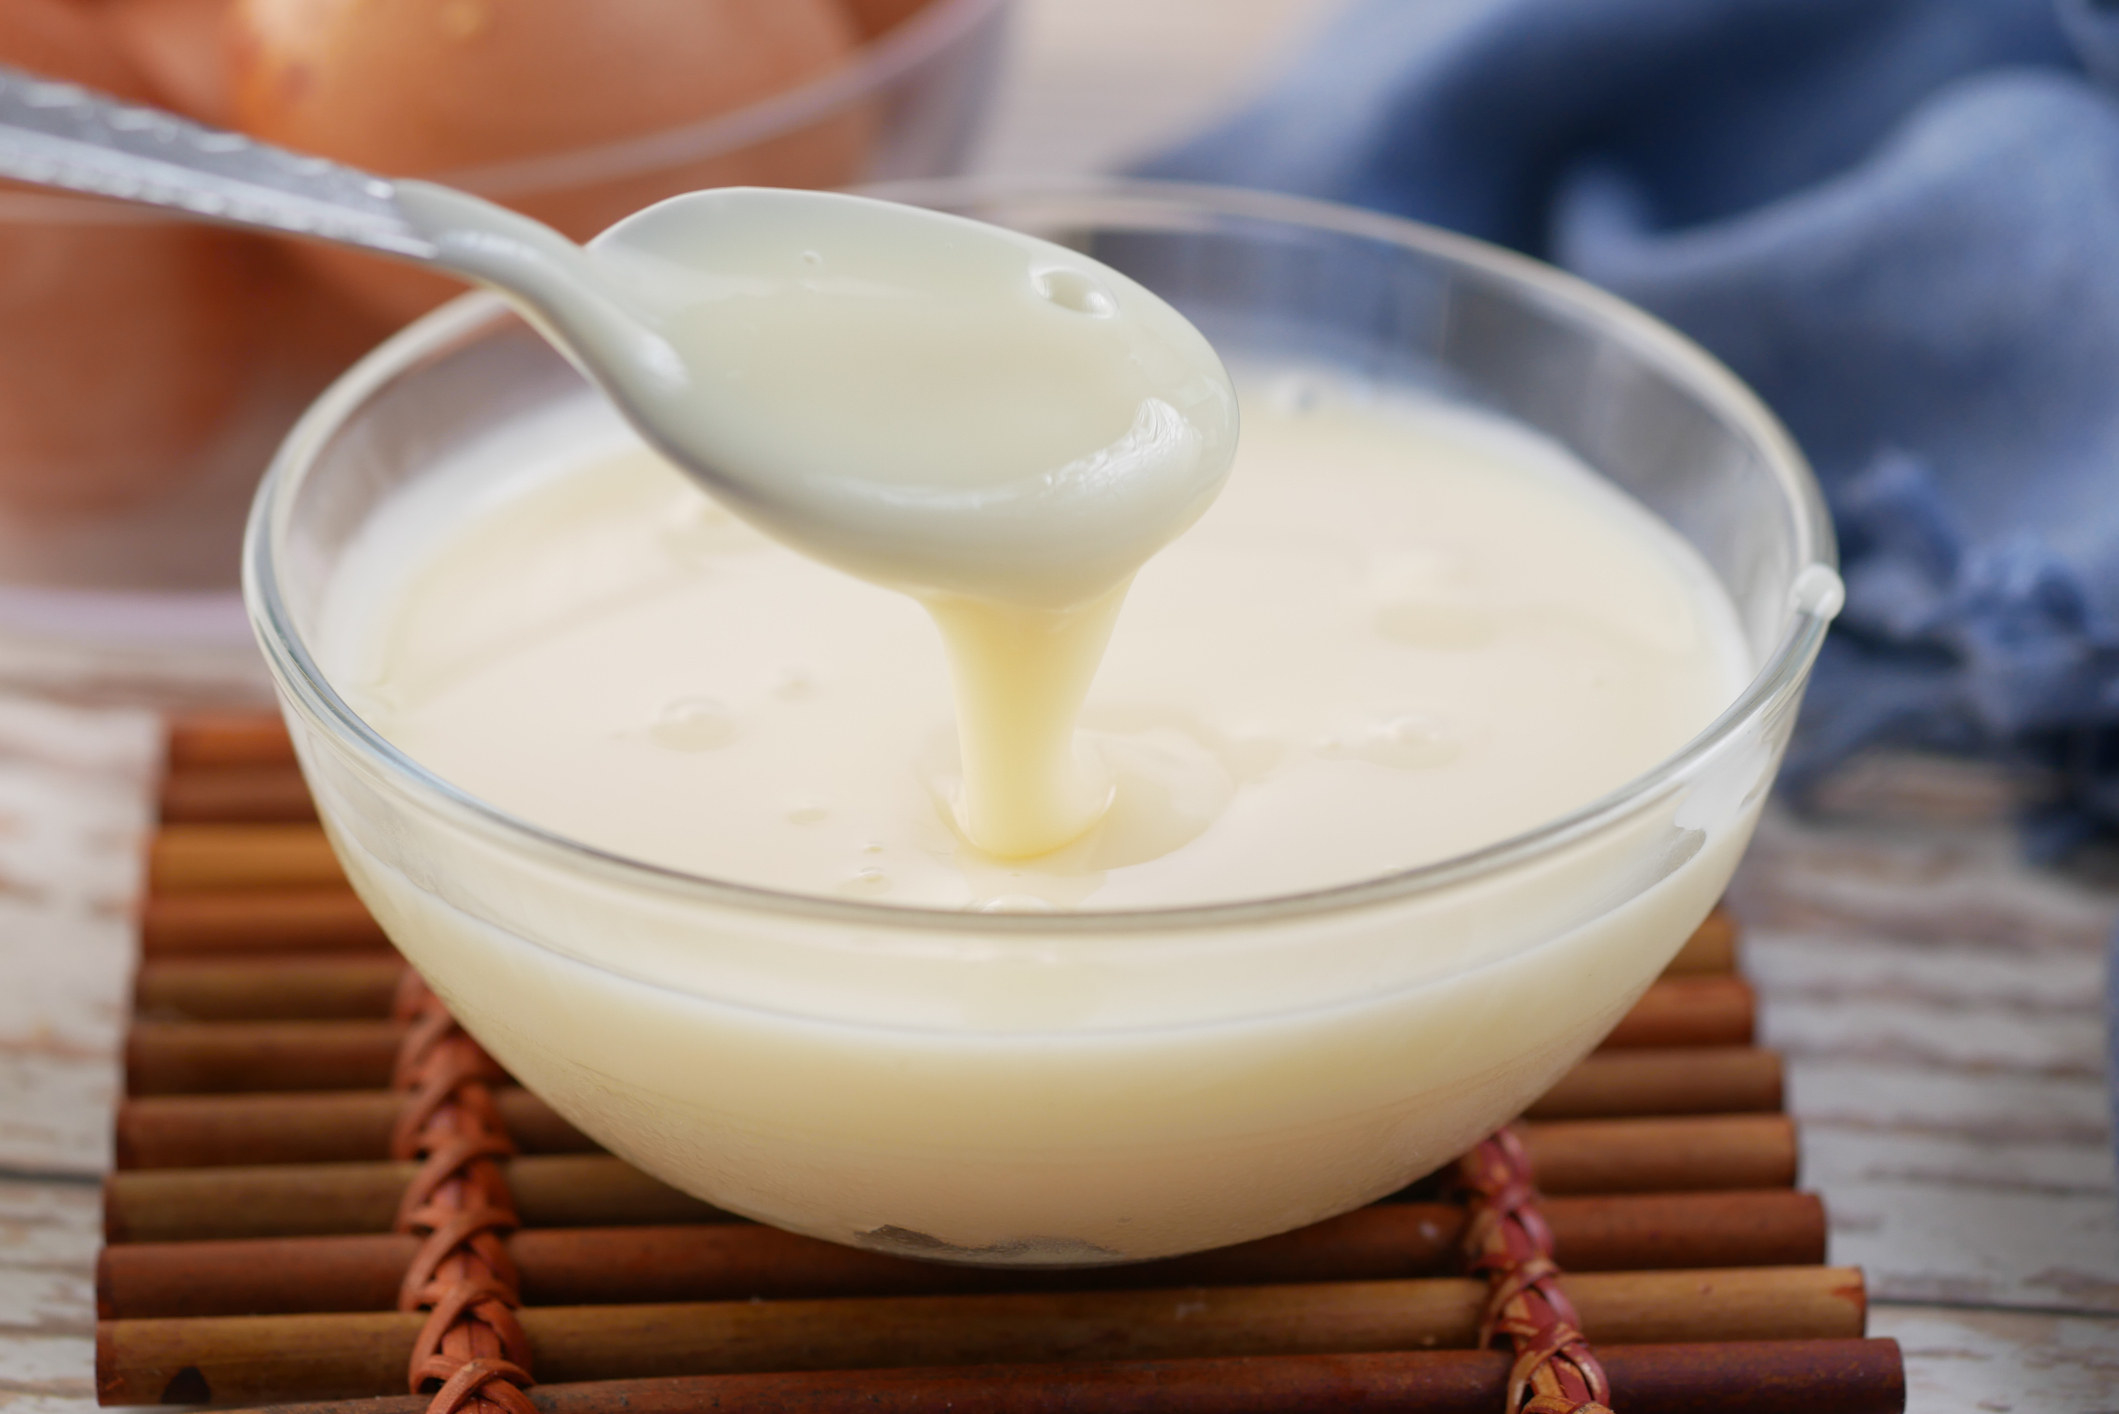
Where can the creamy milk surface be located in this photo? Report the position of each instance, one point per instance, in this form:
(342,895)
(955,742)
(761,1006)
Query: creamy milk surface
(1404,631)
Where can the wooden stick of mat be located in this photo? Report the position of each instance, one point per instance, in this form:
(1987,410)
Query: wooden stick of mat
(1754,1377)
(221,740)
(233,1057)
(227,795)
(191,1131)
(248,923)
(361,985)
(1712,950)
(738,1261)
(267,1358)
(299,1200)
(348,1126)
(259,923)
(1608,1156)
(224,1057)
(327,986)
(208,858)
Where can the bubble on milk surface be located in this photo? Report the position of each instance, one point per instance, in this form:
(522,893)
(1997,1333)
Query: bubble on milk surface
(1405,741)
(1077,291)
(695,724)
(865,883)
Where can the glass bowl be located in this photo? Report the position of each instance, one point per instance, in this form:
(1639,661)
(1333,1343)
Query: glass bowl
(1068,1089)
(139,409)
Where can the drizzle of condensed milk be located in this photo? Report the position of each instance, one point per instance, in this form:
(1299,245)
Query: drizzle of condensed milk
(1000,427)
(1404,631)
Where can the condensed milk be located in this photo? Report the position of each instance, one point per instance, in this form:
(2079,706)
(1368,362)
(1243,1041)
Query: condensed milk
(1405,631)
(1409,764)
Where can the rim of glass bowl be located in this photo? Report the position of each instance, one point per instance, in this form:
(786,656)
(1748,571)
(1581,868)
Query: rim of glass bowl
(876,64)
(1159,205)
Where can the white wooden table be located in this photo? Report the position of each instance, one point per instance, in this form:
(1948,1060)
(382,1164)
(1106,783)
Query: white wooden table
(1938,999)
(1940,1006)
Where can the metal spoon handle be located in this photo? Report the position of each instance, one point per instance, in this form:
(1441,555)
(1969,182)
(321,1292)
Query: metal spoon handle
(60,135)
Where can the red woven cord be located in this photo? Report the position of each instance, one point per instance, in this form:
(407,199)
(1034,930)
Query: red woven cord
(1508,1241)
(472,1350)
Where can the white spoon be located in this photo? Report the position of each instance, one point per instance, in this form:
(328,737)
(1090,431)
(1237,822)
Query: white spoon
(923,400)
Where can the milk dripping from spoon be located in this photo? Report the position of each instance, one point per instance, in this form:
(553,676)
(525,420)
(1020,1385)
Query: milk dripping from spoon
(999,426)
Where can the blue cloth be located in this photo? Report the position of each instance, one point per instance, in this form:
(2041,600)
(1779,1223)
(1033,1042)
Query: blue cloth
(1897,219)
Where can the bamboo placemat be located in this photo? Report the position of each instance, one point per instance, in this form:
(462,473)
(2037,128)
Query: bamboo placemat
(264,1246)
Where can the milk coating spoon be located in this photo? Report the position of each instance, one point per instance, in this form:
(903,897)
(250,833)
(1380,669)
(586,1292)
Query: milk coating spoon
(926,401)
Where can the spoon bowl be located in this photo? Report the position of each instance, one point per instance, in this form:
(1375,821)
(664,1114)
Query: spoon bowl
(926,401)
